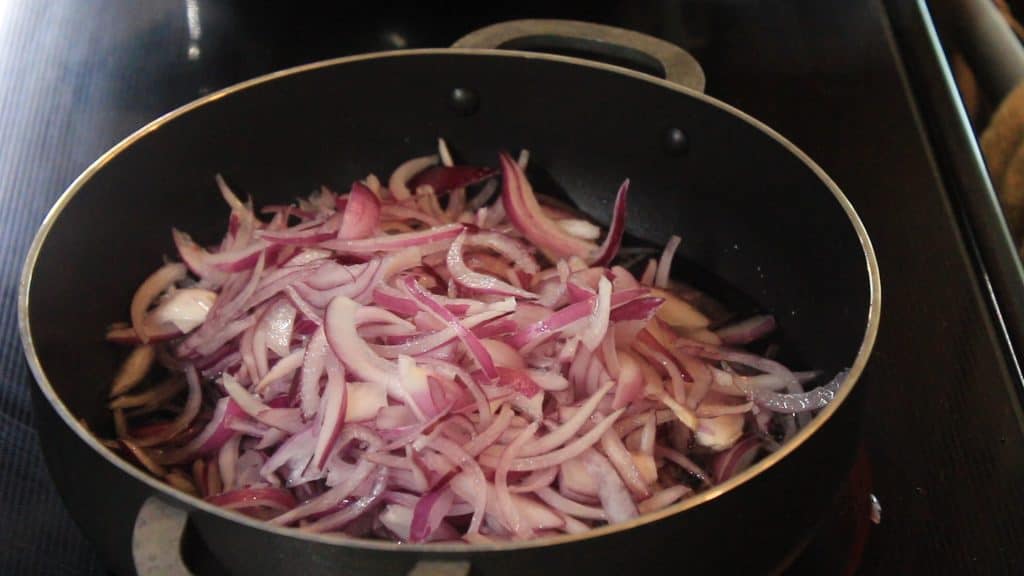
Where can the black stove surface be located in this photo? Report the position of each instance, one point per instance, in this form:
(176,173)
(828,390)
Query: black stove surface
(943,442)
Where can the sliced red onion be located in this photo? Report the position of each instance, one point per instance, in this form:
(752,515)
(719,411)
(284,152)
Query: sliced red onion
(227,461)
(496,328)
(133,370)
(620,458)
(416,385)
(445,178)
(281,281)
(610,247)
(700,376)
(800,402)
(571,507)
(683,462)
(197,259)
(362,213)
(561,435)
(154,396)
(354,510)
(283,368)
(623,279)
(185,418)
(533,334)
(397,183)
(127,335)
(529,219)
(444,153)
(597,326)
(277,417)
(395,214)
(184,309)
(298,237)
(664,498)
(333,409)
(719,433)
(503,354)
(365,400)
(549,380)
(615,499)
(736,459)
(328,499)
(149,290)
(685,415)
(240,259)
(710,410)
(665,263)
(292,455)
(630,383)
(472,343)
(749,330)
(581,229)
(489,435)
(395,242)
(377,370)
(508,247)
(535,481)
(278,324)
(430,512)
(342,319)
(237,206)
(433,340)
(758,362)
(649,433)
(651,349)
(306,257)
(570,450)
(509,513)
(249,465)
(256,497)
(392,301)
(313,363)
(143,457)
(475,281)
(470,484)
(213,436)
(650,270)
(638,309)
(518,380)
(394,424)
(332,275)
(678,312)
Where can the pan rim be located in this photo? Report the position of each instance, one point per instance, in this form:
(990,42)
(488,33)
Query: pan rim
(192,502)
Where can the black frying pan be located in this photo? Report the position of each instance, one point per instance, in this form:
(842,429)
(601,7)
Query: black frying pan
(759,220)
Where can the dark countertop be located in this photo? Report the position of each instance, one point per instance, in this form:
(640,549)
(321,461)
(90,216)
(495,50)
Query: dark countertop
(943,429)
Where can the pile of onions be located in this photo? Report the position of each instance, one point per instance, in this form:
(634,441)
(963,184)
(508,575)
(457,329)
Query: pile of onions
(408,363)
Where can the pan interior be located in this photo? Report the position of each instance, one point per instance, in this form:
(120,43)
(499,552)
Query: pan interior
(759,227)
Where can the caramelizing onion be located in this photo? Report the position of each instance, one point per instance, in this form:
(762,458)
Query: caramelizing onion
(405,363)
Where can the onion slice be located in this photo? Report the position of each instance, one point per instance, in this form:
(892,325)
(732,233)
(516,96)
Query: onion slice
(530,220)
(398,182)
(475,281)
(445,178)
(430,304)
(405,363)
(362,213)
(815,399)
(610,247)
(149,290)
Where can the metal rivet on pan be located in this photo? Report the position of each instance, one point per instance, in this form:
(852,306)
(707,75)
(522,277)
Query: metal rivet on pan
(464,101)
(675,142)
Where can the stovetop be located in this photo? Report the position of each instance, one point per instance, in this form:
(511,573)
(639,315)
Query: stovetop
(943,448)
